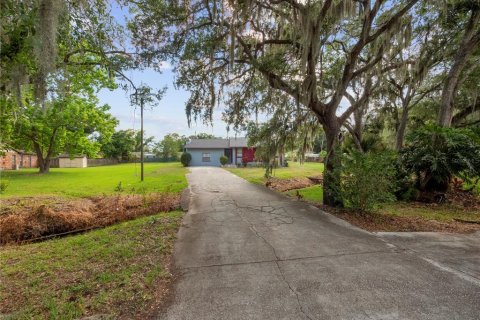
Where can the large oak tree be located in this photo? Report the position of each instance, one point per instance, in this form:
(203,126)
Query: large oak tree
(311,51)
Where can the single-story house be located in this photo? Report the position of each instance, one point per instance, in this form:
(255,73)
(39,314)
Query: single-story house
(66,161)
(207,152)
(14,160)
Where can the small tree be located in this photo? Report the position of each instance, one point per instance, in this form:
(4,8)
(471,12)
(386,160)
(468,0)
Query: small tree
(120,146)
(185,159)
(223,160)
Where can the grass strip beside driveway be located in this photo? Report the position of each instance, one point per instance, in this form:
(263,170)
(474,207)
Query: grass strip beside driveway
(115,271)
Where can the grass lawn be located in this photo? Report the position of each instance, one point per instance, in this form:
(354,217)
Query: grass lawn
(294,170)
(81,182)
(116,270)
(313,193)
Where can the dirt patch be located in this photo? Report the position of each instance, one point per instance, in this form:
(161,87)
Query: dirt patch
(282,185)
(378,222)
(464,199)
(26,219)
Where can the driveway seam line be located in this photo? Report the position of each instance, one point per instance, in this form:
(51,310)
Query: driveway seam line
(289,259)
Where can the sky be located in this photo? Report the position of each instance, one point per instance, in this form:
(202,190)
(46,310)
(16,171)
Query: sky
(169,115)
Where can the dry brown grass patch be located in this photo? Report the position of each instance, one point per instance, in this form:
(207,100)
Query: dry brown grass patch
(26,219)
(282,185)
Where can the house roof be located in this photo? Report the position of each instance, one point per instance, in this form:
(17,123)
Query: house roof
(238,142)
(216,143)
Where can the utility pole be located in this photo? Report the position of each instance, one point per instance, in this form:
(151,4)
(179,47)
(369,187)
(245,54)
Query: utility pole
(141,139)
(147,97)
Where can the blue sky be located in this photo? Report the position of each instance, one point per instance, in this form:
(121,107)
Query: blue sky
(169,116)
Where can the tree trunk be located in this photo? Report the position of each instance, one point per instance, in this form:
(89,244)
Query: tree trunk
(402,126)
(469,42)
(331,176)
(44,165)
(43,162)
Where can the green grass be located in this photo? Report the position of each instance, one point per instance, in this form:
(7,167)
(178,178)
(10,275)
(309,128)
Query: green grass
(313,193)
(111,271)
(81,182)
(294,170)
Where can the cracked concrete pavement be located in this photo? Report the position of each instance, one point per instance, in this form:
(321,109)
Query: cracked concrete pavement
(245,252)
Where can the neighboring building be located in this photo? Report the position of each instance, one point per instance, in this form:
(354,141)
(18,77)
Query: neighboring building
(14,160)
(65,161)
(147,156)
(207,152)
(312,157)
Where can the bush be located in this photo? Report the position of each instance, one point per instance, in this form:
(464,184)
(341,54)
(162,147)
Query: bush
(323,153)
(434,155)
(244,160)
(367,180)
(185,159)
(119,187)
(223,160)
(3,185)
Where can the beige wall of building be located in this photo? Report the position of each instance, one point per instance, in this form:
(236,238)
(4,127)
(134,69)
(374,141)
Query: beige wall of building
(77,162)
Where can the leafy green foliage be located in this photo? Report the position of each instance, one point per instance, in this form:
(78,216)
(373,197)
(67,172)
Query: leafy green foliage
(203,135)
(185,159)
(367,180)
(223,160)
(434,155)
(120,146)
(170,146)
(67,125)
(119,187)
(147,141)
(3,185)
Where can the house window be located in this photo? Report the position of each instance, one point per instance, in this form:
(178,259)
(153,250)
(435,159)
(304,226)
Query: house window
(206,157)
(239,153)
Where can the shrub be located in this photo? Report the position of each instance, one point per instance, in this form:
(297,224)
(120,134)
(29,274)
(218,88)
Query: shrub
(367,180)
(119,187)
(185,159)
(323,153)
(3,185)
(223,160)
(244,160)
(434,155)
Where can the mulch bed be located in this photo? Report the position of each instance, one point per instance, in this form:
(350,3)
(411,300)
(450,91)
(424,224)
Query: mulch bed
(27,219)
(375,222)
(282,185)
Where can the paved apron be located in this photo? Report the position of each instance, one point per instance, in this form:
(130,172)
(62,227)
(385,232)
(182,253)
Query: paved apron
(245,252)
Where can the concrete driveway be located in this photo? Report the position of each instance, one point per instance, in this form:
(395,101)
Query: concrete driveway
(245,252)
